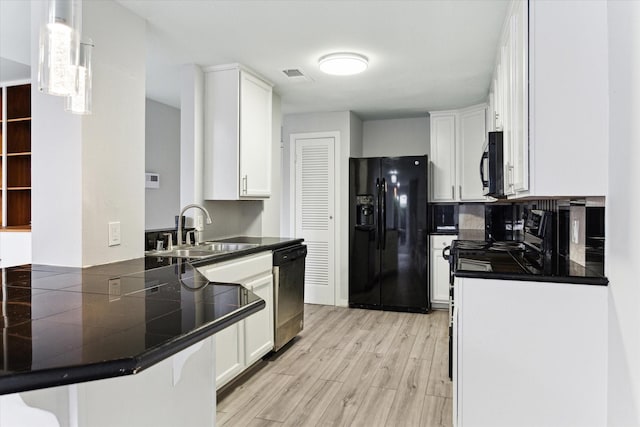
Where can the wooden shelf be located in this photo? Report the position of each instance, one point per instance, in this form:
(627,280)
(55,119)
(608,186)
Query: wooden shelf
(13,228)
(15,147)
(18,102)
(21,119)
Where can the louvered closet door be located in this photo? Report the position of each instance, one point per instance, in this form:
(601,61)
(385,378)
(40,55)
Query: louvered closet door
(314,207)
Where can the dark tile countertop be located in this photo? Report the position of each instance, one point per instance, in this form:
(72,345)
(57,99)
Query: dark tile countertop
(65,325)
(511,265)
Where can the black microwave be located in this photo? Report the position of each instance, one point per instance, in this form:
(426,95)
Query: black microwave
(492,166)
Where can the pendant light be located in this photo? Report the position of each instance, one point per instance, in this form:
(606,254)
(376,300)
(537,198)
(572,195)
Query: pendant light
(80,102)
(59,48)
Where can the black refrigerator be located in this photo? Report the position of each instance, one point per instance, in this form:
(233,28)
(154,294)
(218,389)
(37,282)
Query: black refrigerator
(388,239)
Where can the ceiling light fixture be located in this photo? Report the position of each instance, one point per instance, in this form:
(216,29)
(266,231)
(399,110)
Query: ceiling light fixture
(59,47)
(343,64)
(64,64)
(80,103)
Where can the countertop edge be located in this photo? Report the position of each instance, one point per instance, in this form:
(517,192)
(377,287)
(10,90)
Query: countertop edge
(594,281)
(55,377)
(239,254)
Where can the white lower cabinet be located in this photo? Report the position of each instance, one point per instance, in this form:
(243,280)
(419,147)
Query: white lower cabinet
(529,354)
(440,271)
(258,331)
(229,353)
(15,248)
(245,342)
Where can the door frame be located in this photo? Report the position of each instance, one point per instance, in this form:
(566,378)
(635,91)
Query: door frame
(338,205)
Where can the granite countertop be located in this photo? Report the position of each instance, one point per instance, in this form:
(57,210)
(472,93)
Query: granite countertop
(66,325)
(509,265)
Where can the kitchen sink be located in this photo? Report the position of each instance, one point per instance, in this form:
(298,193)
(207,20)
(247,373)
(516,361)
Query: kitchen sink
(227,246)
(202,250)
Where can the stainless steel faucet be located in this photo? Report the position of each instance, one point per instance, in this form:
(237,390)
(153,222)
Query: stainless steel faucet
(193,205)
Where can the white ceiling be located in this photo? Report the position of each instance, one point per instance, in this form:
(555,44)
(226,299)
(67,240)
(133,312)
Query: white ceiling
(424,55)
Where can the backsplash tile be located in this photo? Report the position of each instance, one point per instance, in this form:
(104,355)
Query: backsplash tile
(471,216)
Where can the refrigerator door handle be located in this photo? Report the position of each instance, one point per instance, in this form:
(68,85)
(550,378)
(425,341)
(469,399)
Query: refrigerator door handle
(383,223)
(377,230)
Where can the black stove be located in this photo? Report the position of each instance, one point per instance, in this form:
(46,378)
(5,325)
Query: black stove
(533,258)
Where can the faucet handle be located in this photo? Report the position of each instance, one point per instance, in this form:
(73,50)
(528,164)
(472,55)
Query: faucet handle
(191,237)
(170,241)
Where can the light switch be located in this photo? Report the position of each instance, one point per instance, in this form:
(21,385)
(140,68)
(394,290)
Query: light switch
(114,233)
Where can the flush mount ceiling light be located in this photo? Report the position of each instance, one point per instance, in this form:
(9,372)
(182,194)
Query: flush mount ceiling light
(343,64)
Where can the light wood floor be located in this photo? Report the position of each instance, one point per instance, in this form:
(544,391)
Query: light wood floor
(351,367)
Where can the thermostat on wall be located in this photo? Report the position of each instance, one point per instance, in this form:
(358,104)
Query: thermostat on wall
(152,180)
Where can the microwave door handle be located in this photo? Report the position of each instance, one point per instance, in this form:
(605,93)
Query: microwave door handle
(485,155)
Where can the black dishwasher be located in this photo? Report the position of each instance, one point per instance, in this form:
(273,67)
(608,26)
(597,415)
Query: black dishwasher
(288,286)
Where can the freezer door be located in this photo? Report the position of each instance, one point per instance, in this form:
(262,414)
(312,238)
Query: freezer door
(364,242)
(404,248)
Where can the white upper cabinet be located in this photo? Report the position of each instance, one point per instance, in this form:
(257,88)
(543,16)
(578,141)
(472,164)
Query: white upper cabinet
(443,156)
(473,136)
(457,140)
(237,135)
(550,98)
(510,90)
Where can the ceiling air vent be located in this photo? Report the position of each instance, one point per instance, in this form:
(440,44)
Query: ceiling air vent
(293,72)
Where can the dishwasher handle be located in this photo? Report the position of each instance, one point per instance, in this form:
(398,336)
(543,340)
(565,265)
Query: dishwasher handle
(290,254)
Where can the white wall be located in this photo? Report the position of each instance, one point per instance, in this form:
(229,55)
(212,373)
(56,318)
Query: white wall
(15,35)
(162,140)
(191,134)
(623,229)
(113,147)
(396,137)
(272,206)
(87,171)
(324,122)
(355,139)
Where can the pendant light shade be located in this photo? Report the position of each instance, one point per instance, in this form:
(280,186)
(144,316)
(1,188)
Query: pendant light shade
(59,48)
(80,102)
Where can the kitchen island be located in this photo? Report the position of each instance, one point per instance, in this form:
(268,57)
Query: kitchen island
(74,338)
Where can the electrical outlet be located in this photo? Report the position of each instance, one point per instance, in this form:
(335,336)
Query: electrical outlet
(114,233)
(199,223)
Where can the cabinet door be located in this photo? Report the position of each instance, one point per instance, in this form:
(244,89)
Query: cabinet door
(229,353)
(440,269)
(15,249)
(472,139)
(255,137)
(506,83)
(443,158)
(258,331)
(520,114)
